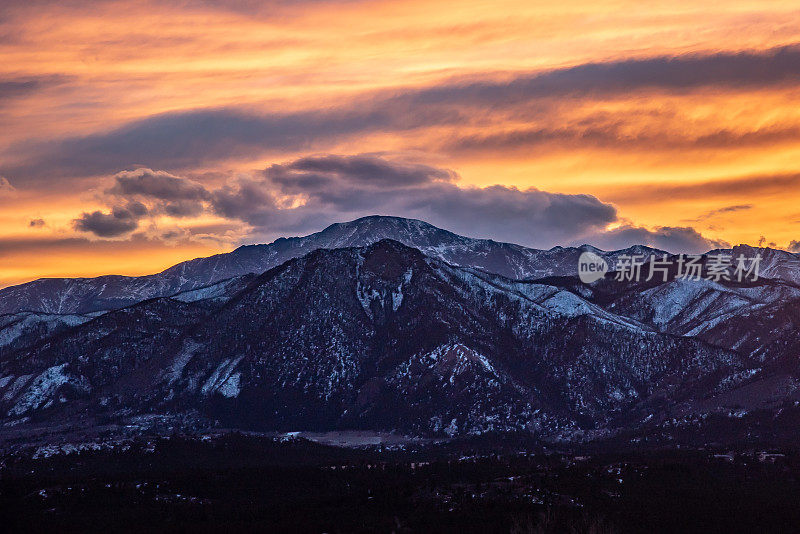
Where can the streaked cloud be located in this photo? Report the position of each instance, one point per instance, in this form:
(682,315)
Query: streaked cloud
(16,87)
(186,139)
(743,69)
(624,133)
(494,119)
(720,188)
(723,211)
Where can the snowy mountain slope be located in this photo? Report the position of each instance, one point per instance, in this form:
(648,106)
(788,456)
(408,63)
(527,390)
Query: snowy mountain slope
(84,295)
(774,264)
(757,319)
(692,307)
(19,328)
(378,337)
(342,329)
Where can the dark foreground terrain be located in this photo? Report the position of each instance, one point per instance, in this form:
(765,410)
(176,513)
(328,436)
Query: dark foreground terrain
(238,483)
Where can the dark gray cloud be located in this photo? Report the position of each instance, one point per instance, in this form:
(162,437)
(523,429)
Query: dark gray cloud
(335,188)
(596,132)
(144,193)
(248,200)
(722,211)
(728,187)
(189,139)
(183,208)
(15,88)
(157,184)
(672,239)
(686,72)
(11,88)
(316,172)
(161,192)
(5,186)
(119,221)
(530,217)
(306,194)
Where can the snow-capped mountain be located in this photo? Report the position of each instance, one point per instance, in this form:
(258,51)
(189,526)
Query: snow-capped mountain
(374,337)
(86,295)
(439,334)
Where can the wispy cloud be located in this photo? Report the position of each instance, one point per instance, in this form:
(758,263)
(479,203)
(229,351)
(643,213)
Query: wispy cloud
(17,87)
(185,139)
(712,189)
(635,107)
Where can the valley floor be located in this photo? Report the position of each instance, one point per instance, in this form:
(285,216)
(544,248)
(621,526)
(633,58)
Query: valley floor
(247,483)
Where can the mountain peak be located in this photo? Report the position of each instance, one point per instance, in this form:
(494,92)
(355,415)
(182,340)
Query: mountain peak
(366,230)
(386,220)
(512,261)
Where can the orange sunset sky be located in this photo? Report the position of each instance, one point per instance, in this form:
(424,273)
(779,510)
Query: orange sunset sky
(135,134)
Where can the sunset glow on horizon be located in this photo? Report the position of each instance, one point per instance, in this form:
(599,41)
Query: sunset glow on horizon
(135,136)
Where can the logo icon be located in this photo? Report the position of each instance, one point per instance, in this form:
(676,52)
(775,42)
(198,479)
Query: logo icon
(591,267)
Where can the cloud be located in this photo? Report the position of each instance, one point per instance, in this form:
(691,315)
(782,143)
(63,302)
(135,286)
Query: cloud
(143,193)
(528,216)
(192,138)
(721,211)
(668,238)
(317,171)
(621,133)
(161,192)
(248,200)
(6,187)
(121,220)
(761,184)
(157,184)
(11,88)
(260,8)
(306,194)
(189,139)
(36,223)
(684,72)
(335,188)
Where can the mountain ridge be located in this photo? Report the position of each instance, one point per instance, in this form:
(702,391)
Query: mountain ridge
(362,337)
(387,337)
(87,295)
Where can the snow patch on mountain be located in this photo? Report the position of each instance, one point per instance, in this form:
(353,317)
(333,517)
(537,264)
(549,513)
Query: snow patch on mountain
(13,326)
(175,370)
(42,389)
(223,379)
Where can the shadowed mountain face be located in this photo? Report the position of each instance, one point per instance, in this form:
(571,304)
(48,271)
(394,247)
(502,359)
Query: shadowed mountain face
(89,295)
(390,337)
(381,337)
(86,295)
